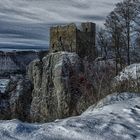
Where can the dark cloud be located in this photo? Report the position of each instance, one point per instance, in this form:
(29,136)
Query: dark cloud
(93,17)
(26,23)
(27,35)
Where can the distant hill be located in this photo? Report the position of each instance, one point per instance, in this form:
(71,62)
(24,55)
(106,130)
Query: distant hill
(16,61)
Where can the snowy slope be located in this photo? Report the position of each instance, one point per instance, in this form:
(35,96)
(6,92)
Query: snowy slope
(117,117)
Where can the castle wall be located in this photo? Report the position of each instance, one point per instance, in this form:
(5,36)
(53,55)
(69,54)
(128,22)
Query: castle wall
(83,44)
(70,38)
(63,38)
(86,40)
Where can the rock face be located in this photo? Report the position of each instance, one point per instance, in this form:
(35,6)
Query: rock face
(15,101)
(4,107)
(60,87)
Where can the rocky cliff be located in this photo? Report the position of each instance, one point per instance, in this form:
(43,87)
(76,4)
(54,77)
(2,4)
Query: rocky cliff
(60,87)
(16,99)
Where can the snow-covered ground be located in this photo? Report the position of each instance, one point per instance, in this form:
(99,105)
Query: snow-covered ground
(3,85)
(117,117)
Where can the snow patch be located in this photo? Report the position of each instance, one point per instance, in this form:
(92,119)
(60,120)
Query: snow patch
(3,85)
(130,72)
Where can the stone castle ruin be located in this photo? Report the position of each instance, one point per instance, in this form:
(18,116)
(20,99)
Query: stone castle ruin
(73,39)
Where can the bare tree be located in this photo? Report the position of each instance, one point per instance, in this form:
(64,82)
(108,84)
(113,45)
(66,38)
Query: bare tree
(114,27)
(103,42)
(127,11)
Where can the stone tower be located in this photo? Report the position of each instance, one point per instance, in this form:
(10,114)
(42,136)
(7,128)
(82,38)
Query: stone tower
(74,39)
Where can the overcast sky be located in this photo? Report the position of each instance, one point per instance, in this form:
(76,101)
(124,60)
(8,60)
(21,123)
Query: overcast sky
(25,23)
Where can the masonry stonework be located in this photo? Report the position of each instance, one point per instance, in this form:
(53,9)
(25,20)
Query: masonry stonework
(74,39)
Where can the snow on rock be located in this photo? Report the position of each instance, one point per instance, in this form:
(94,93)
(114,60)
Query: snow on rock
(118,118)
(130,72)
(128,79)
(3,85)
